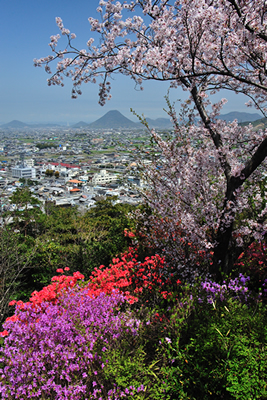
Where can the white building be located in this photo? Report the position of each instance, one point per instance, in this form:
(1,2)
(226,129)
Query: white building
(83,178)
(103,177)
(23,171)
(30,162)
(3,181)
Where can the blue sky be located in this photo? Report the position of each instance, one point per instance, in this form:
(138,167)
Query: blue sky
(25,28)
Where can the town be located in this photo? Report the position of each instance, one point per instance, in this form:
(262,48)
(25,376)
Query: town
(70,166)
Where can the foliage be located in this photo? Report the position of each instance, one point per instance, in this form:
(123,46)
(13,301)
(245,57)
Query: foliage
(102,229)
(28,182)
(27,217)
(56,245)
(84,240)
(19,229)
(136,361)
(46,145)
(49,172)
(68,239)
(220,353)
(15,261)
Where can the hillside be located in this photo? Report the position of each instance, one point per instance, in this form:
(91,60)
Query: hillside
(80,124)
(258,124)
(113,119)
(240,116)
(15,124)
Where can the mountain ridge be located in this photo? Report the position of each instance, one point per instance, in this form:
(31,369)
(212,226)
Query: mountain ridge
(240,116)
(114,119)
(19,125)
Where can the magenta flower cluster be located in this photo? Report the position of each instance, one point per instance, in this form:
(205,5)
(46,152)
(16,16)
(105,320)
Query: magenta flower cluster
(58,351)
(237,288)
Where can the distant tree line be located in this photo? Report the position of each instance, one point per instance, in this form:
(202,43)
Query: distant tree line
(42,146)
(51,172)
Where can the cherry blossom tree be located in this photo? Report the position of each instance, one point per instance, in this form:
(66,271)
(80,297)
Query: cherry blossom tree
(202,46)
(187,192)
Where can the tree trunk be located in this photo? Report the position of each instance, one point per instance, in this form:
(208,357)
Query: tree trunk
(223,257)
(222,262)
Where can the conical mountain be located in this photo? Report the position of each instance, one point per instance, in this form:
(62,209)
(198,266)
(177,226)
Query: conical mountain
(113,120)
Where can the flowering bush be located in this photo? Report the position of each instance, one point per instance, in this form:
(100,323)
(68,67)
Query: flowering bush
(52,292)
(136,279)
(58,352)
(64,330)
(236,288)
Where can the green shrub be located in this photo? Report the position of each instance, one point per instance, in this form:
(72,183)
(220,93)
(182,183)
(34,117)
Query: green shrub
(220,354)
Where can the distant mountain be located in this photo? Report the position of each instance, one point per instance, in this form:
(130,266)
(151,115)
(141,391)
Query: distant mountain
(163,123)
(15,124)
(80,124)
(240,116)
(113,119)
(44,125)
(229,117)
